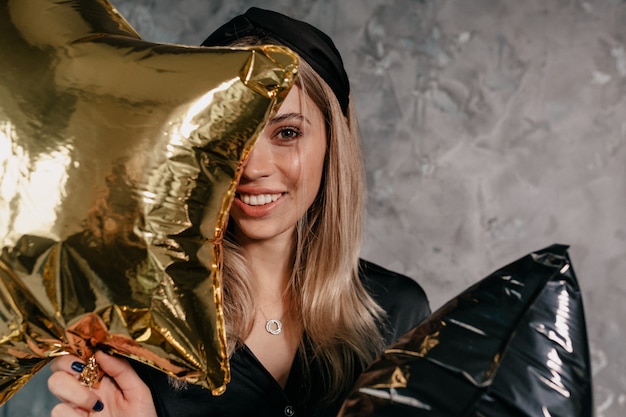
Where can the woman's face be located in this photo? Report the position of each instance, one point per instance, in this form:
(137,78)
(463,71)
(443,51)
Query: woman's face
(282,175)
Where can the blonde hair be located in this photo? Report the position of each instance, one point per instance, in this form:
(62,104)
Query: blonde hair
(338,316)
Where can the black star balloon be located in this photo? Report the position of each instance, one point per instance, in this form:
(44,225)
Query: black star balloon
(118,162)
(515,344)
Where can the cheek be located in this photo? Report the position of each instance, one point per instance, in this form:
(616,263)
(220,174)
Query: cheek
(314,170)
(304,171)
(294,167)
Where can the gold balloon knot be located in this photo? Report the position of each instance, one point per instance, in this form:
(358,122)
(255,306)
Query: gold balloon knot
(91,375)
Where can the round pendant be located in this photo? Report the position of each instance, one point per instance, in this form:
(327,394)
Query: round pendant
(274,326)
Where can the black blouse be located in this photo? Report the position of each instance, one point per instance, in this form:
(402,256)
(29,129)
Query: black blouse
(254,392)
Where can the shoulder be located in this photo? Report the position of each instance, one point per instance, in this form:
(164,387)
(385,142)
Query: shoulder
(388,285)
(402,298)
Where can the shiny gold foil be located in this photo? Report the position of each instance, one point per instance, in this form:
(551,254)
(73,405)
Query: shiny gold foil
(118,163)
(91,375)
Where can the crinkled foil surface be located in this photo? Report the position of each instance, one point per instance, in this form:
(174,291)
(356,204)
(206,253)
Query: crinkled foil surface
(118,162)
(514,344)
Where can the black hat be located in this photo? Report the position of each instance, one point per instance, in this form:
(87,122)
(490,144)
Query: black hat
(313,45)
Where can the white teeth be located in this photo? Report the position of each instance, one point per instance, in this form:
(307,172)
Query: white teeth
(258,199)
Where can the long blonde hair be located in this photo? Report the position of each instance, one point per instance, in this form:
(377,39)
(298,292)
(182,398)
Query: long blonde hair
(338,316)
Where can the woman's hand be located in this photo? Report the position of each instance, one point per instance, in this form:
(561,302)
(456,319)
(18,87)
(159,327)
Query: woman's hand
(121,392)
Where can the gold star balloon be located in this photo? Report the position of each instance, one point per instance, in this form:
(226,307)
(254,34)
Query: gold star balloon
(118,163)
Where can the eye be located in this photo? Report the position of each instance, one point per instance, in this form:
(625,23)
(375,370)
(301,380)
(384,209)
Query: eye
(288,133)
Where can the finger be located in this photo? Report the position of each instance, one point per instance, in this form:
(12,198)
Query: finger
(67,363)
(122,373)
(69,390)
(66,410)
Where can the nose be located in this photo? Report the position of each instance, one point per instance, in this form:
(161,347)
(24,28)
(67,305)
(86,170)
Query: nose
(260,161)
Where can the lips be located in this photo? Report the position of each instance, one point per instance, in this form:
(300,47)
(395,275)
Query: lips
(258,199)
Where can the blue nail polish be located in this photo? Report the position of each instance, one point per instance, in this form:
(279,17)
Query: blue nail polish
(78,367)
(98,406)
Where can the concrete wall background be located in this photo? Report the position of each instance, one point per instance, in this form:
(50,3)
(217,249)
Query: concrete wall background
(491,128)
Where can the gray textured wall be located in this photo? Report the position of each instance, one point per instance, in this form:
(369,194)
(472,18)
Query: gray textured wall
(492,128)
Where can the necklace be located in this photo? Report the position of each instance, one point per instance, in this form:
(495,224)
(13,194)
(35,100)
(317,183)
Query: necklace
(272,326)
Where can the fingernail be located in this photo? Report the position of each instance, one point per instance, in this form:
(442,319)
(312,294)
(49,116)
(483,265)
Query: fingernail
(99,406)
(78,367)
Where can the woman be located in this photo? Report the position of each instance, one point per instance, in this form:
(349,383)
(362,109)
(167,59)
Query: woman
(304,315)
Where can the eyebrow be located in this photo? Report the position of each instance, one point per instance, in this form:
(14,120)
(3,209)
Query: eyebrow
(288,116)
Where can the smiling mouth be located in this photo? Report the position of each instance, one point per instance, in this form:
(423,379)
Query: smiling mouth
(258,199)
